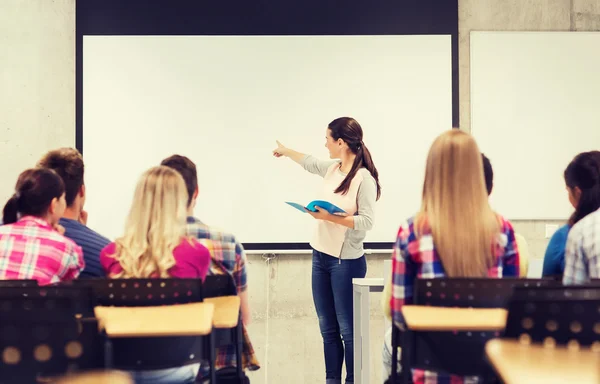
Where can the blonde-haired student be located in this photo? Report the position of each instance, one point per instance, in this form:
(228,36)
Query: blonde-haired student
(455,234)
(155,245)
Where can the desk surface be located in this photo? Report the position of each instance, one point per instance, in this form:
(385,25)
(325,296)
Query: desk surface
(534,364)
(170,320)
(427,318)
(227,311)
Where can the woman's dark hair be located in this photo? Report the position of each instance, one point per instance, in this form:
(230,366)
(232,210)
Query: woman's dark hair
(348,129)
(35,190)
(584,173)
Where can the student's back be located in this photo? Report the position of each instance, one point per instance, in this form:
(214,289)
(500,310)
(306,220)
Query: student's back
(31,245)
(155,245)
(455,234)
(68,164)
(582,179)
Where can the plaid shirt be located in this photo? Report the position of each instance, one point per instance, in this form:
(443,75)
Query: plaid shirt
(227,256)
(32,249)
(582,255)
(416,257)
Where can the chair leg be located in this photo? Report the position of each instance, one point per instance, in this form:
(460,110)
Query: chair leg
(395,342)
(237,338)
(211,354)
(407,339)
(108,353)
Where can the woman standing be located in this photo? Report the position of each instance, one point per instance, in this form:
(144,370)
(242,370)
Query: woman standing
(352,184)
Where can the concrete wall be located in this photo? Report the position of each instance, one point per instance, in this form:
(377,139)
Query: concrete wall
(37,113)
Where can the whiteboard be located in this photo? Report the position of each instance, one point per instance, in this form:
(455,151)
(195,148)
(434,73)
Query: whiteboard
(535,104)
(224,100)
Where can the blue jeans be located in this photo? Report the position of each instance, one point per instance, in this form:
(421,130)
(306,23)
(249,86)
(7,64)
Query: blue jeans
(332,294)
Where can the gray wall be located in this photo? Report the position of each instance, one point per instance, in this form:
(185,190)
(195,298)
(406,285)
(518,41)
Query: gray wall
(37,107)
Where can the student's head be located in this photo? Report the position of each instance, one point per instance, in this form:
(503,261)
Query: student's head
(155,226)
(187,169)
(39,192)
(488,174)
(455,204)
(68,164)
(582,178)
(344,134)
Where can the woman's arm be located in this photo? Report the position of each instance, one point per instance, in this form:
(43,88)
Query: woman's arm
(404,271)
(309,163)
(282,150)
(510,258)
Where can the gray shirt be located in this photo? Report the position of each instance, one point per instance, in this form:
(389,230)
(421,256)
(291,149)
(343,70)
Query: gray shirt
(353,247)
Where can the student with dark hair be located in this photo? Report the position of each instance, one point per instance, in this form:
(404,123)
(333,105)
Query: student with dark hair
(351,183)
(488,175)
(68,164)
(31,242)
(582,180)
(227,257)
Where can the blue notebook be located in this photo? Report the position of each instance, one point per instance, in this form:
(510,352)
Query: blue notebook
(334,210)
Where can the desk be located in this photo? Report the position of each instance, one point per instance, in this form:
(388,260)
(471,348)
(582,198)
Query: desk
(361,289)
(534,364)
(227,311)
(169,320)
(427,318)
(113,377)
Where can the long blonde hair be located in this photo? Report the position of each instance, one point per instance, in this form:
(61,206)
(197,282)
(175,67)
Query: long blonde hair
(155,226)
(455,204)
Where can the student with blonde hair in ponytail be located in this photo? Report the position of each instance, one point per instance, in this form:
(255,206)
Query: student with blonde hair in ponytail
(351,183)
(155,245)
(455,234)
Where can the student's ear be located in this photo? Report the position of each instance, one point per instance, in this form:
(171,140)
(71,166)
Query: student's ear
(577,193)
(82,191)
(196,193)
(53,206)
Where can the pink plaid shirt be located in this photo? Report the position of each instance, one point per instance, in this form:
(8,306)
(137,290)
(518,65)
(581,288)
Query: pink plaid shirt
(32,249)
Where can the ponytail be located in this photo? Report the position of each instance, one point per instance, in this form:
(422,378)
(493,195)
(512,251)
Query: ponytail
(368,163)
(349,130)
(584,173)
(363,159)
(10,212)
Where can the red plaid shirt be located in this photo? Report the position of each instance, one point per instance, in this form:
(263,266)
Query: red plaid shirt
(32,249)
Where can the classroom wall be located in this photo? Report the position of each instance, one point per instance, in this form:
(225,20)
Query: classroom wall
(37,107)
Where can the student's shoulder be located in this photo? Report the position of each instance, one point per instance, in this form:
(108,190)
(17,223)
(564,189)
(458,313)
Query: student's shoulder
(201,231)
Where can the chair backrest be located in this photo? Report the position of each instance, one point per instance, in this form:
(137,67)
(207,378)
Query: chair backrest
(150,353)
(34,347)
(219,285)
(436,351)
(555,315)
(472,292)
(18,283)
(143,292)
(47,300)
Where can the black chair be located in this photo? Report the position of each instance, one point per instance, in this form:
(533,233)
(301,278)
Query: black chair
(218,286)
(47,301)
(151,353)
(555,315)
(42,347)
(18,283)
(437,351)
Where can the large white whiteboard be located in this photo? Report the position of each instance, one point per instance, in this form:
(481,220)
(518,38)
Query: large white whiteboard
(223,101)
(535,104)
